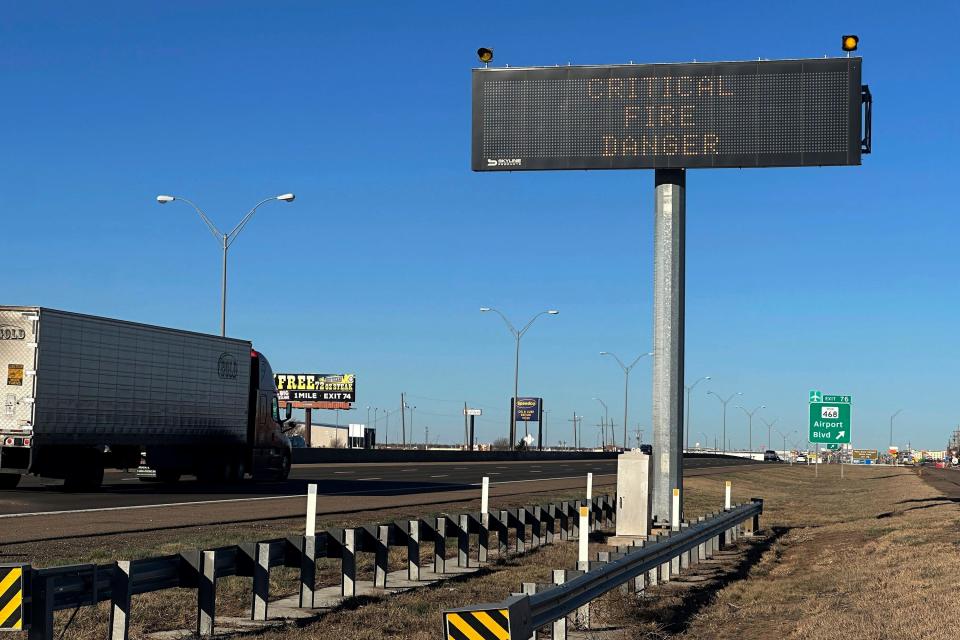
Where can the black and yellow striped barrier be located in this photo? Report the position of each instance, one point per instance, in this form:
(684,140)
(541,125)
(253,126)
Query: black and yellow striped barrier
(501,621)
(11,597)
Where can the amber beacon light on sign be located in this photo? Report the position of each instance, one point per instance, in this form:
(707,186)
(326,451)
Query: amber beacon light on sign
(850,42)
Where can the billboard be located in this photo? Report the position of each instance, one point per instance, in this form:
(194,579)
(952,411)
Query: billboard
(317,390)
(528,409)
(769,113)
(865,456)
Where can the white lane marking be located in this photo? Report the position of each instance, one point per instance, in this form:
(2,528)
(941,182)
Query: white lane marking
(440,476)
(134,507)
(368,478)
(344,471)
(532,471)
(493,473)
(409,469)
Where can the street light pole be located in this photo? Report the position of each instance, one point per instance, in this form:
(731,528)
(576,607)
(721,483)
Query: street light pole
(724,403)
(226,239)
(686,422)
(516,365)
(750,415)
(626,385)
(606,420)
(769,426)
(891,426)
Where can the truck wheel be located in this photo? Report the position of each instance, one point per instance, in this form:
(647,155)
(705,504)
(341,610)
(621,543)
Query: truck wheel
(86,478)
(9,481)
(284,472)
(237,471)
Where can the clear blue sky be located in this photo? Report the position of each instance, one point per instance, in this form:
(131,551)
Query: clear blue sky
(841,279)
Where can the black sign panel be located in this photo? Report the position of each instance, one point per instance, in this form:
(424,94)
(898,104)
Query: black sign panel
(528,409)
(777,113)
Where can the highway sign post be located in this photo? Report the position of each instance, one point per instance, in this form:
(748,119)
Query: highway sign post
(472,413)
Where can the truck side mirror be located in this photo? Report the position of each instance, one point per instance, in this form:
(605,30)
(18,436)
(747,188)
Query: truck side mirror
(288,413)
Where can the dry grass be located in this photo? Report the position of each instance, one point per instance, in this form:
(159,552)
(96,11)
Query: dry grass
(871,555)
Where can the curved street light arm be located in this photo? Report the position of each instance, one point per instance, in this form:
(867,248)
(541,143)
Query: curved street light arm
(633,364)
(212,227)
(510,326)
(527,326)
(243,222)
(619,362)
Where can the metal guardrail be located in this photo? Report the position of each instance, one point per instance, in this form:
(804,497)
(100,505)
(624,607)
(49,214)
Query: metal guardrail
(48,590)
(519,616)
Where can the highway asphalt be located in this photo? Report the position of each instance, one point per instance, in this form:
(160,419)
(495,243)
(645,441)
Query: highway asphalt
(123,491)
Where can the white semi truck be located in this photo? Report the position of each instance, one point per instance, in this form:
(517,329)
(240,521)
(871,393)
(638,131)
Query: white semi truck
(82,393)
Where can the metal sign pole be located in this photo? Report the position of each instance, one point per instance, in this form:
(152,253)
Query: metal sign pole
(669,237)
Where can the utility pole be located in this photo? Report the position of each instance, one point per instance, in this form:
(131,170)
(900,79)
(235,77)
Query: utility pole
(891,425)
(687,425)
(575,420)
(750,415)
(466,430)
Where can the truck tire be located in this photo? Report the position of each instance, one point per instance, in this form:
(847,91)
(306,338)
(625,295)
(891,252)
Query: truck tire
(9,481)
(84,478)
(284,471)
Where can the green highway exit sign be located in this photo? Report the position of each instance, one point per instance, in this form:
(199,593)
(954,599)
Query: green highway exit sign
(829,418)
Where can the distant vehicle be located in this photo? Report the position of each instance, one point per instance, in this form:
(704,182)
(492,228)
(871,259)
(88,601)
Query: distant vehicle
(298,442)
(770,456)
(85,393)
(801,457)
(647,449)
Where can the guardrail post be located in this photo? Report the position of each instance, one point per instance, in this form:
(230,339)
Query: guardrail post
(463,541)
(413,549)
(120,601)
(574,521)
(521,525)
(559,627)
(701,553)
(665,567)
(207,594)
(348,564)
(483,538)
(564,516)
(261,581)
(42,589)
(726,495)
(382,559)
(308,570)
(529,589)
(638,582)
(550,518)
(503,533)
(536,519)
(440,546)
(752,525)
(685,556)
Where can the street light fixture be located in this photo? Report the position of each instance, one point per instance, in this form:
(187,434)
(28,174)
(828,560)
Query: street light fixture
(626,385)
(686,426)
(750,415)
(724,403)
(516,366)
(226,239)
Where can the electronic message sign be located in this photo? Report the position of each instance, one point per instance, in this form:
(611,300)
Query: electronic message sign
(317,390)
(770,113)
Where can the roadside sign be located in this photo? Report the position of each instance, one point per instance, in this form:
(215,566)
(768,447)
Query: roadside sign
(832,446)
(11,597)
(865,456)
(472,412)
(829,418)
(528,409)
